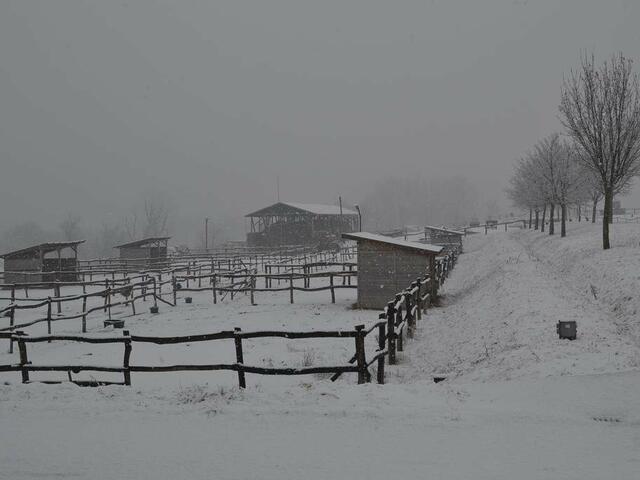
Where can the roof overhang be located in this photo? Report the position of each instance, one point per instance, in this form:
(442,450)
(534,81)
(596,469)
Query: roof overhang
(373,237)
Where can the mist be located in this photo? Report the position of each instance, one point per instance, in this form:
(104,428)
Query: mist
(210,105)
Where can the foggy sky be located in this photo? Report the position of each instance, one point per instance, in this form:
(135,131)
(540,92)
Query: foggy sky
(102,101)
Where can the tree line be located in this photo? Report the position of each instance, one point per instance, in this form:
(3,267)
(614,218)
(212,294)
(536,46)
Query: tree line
(595,158)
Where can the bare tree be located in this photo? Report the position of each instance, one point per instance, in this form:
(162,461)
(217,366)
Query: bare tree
(600,108)
(70,227)
(130,223)
(156,215)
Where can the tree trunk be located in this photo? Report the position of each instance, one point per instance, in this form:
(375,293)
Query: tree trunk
(530,217)
(606,220)
(579,212)
(544,214)
(563,224)
(552,224)
(594,211)
(537,224)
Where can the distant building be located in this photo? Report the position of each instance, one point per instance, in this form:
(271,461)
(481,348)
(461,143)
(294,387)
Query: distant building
(444,237)
(286,223)
(46,262)
(387,266)
(144,252)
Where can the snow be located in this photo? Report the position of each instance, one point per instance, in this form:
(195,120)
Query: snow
(320,209)
(517,403)
(374,237)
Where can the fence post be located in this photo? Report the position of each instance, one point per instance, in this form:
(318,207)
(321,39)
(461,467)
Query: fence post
(398,320)
(12,316)
(127,356)
(252,286)
(291,288)
(49,316)
(391,335)
(239,357)
(106,287)
(410,320)
(381,342)
(175,293)
(418,284)
(213,288)
(84,308)
(24,361)
(109,302)
(57,294)
(333,290)
(361,361)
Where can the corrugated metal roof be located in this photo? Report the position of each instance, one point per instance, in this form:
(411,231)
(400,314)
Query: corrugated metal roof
(423,247)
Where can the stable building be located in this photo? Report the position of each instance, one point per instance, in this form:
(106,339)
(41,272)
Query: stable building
(287,223)
(45,262)
(144,252)
(447,238)
(387,266)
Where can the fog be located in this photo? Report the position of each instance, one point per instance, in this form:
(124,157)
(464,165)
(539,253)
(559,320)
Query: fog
(206,104)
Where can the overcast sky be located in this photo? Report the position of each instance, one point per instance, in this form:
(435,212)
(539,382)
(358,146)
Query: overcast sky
(101,101)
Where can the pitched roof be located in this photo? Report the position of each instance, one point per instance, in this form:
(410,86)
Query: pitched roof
(313,208)
(444,230)
(45,247)
(142,242)
(421,247)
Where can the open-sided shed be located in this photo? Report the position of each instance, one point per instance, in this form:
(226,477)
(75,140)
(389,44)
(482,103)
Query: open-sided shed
(387,266)
(286,223)
(45,262)
(444,237)
(144,252)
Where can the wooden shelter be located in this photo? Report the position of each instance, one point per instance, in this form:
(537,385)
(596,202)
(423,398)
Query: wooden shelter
(144,252)
(387,266)
(32,264)
(449,239)
(286,223)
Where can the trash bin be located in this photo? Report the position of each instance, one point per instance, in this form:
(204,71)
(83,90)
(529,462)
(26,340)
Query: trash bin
(567,329)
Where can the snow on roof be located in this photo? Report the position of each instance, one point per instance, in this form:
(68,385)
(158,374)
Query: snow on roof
(142,242)
(423,247)
(45,247)
(321,209)
(445,230)
(314,208)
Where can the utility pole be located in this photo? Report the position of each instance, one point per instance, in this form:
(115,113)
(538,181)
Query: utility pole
(206,234)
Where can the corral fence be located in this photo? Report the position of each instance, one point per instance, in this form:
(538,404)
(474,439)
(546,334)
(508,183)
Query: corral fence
(397,321)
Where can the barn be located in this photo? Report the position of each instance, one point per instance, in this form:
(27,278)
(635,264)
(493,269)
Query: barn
(144,252)
(31,264)
(387,266)
(447,238)
(286,223)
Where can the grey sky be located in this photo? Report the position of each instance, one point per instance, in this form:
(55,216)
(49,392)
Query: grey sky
(101,101)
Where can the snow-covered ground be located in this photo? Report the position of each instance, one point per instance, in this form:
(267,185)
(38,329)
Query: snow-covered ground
(519,402)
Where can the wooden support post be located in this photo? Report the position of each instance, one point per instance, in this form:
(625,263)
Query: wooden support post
(127,356)
(24,360)
(333,290)
(239,358)
(391,336)
(252,286)
(291,288)
(361,361)
(109,302)
(213,288)
(175,291)
(381,343)
(106,288)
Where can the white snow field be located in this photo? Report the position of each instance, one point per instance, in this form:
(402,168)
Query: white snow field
(518,403)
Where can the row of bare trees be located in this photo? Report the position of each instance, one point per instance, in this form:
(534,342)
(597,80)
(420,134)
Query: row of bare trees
(600,153)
